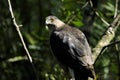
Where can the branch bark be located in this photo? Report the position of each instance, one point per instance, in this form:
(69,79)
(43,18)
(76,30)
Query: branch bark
(17,28)
(106,38)
(21,38)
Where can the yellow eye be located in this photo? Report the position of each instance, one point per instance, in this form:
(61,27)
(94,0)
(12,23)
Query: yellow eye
(51,19)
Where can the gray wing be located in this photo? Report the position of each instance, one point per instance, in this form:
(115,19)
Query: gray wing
(79,47)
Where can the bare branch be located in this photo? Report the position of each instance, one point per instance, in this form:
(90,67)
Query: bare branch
(103,20)
(116,42)
(106,38)
(85,5)
(116,8)
(104,48)
(71,18)
(17,58)
(17,28)
(20,35)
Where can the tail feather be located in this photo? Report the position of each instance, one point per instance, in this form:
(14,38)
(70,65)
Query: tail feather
(79,76)
(82,74)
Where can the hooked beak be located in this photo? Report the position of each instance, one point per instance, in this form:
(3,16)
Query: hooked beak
(47,22)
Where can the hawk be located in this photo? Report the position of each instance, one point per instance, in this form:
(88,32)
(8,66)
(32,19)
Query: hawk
(70,47)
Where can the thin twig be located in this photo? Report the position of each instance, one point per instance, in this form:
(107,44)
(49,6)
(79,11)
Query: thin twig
(71,17)
(116,42)
(85,5)
(17,28)
(70,20)
(20,35)
(103,49)
(103,20)
(116,8)
(101,52)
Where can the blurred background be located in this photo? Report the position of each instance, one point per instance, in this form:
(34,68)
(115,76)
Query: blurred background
(31,14)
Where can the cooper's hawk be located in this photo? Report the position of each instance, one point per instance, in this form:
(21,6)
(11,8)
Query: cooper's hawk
(69,45)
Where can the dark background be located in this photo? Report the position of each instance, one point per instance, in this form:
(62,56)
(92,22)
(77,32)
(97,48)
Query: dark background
(31,14)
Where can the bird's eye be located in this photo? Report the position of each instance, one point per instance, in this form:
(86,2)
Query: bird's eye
(51,19)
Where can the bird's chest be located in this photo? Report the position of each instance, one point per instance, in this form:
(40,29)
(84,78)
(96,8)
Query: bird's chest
(59,46)
(58,43)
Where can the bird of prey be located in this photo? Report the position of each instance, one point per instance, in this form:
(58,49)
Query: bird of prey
(70,47)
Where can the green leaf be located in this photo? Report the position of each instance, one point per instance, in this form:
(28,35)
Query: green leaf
(77,23)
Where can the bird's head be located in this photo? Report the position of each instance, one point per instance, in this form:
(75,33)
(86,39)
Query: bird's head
(53,23)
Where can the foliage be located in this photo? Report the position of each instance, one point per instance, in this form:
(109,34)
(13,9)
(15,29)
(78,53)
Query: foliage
(31,14)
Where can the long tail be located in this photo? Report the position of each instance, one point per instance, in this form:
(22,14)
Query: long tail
(79,76)
(90,74)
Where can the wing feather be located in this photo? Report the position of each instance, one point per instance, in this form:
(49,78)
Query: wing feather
(72,45)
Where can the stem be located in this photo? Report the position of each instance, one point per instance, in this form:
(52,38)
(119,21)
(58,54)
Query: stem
(21,38)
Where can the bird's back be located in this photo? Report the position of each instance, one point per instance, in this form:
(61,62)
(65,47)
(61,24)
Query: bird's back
(70,47)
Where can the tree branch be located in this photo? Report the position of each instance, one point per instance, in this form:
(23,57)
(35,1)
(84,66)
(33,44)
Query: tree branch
(17,28)
(20,35)
(116,8)
(103,20)
(104,48)
(107,37)
(97,14)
